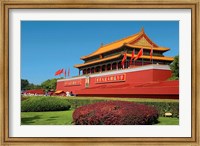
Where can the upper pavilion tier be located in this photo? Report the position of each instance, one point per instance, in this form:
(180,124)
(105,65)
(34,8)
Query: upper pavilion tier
(112,54)
(137,40)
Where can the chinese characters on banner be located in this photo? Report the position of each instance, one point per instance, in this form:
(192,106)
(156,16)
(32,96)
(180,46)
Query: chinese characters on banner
(111,78)
(73,83)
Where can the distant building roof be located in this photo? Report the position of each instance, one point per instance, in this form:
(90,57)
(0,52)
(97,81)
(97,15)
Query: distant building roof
(59,91)
(34,91)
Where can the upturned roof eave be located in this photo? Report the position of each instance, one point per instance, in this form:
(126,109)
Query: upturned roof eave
(137,36)
(133,46)
(162,49)
(97,61)
(105,52)
(128,55)
(134,35)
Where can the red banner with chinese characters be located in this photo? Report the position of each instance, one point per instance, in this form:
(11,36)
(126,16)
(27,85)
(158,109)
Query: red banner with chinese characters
(111,78)
(72,83)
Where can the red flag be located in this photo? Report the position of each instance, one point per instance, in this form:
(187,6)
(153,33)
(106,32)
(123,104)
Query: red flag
(151,53)
(124,58)
(140,53)
(68,72)
(57,72)
(61,71)
(65,73)
(133,53)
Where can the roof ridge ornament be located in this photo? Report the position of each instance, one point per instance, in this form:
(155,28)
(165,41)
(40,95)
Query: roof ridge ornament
(142,29)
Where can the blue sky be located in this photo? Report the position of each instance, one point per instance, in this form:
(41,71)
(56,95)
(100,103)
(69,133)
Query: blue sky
(47,46)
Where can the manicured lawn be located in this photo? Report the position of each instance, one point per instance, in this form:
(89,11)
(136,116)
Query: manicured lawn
(65,118)
(168,121)
(47,118)
(121,99)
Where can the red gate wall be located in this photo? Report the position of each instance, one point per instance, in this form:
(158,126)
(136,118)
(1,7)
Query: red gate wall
(135,78)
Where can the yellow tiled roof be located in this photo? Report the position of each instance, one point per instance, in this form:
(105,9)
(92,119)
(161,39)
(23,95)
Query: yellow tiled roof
(128,55)
(97,61)
(154,57)
(117,44)
(149,48)
(113,45)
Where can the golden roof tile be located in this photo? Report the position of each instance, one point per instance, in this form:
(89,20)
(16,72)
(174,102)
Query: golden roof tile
(97,61)
(154,57)
(148,48)
(128,55)
(114,45)
(125,41)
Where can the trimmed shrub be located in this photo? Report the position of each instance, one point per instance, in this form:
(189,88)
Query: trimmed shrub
(39,104)
(24,98)
(162,107)
(115,113)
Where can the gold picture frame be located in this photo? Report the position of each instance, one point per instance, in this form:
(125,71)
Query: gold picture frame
(132,4)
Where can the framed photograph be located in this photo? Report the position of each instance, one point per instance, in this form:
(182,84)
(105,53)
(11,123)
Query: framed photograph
(104,72)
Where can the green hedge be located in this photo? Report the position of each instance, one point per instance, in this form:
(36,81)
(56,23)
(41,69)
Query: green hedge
(162,107)
(39,104)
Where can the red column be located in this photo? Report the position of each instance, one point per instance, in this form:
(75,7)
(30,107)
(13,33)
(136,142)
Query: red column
(100,68)
(111,66)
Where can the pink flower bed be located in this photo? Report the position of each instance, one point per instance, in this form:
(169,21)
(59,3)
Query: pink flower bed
(115,113)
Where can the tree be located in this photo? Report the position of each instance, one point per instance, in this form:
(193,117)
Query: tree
(174,66)
(33,86)
(49,84)
(24,84)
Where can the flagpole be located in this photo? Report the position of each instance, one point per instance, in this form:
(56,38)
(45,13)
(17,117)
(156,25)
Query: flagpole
(65,73)
(142,61)
(134,59)
(142,55)
(152,53)
(126,56)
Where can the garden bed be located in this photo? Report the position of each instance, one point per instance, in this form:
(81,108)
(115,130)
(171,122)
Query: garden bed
(162,105)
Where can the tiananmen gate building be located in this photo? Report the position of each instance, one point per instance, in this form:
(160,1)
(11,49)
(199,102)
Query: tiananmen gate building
(131,67)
